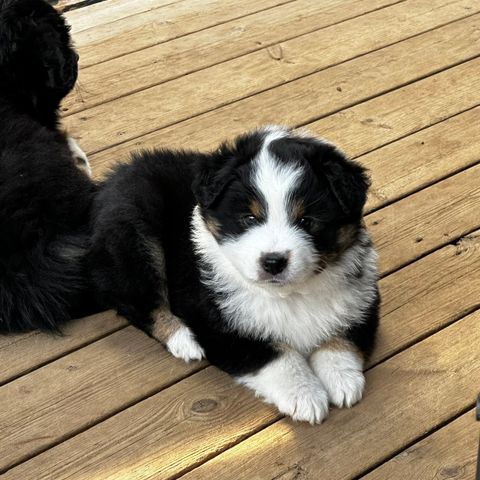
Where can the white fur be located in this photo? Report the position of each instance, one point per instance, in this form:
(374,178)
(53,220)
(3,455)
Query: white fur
(276,183)
(308,308)
(81,159)
(303,314)
(289,383)
(342,374)
(182,344)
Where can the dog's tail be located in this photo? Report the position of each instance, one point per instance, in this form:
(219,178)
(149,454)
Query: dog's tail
(46,287)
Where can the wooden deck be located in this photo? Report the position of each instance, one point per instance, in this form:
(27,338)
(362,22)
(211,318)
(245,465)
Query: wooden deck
(396,84)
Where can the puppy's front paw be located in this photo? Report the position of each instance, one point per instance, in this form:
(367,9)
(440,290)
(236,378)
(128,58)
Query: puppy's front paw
(79,157)
(289,383)
(182,344)
(308,403)
(341,374)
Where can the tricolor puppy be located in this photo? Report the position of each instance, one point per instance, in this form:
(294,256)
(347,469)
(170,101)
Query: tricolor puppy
(254,256)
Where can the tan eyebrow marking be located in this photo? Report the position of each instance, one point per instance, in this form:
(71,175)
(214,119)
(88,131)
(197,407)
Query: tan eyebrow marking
(256,209)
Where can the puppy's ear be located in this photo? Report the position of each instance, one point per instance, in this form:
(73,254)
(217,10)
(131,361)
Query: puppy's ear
(348,180)
(213,173)
(217,170)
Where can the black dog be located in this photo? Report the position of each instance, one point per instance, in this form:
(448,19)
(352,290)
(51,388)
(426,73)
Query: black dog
(264,266)
(45,198)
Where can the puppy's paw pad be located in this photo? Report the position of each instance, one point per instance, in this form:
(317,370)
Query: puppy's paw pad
(345,387)
(307,404)
(182,344)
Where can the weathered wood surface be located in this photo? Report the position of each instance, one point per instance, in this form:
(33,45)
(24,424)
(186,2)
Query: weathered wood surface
(172,59)
(22,353)
(175,429)
(395,83)
(358,129)
(127,366)
(196,93)
(449,453)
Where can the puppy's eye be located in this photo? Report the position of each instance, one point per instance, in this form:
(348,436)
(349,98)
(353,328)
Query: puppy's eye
(306,223)
(249,220)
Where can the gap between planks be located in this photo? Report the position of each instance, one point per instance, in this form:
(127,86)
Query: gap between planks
(205,20)
(157,107)
(180,56)
(386,344)
(449,452)
(446,197)
(395,150)
(441,354)
(339,107)
(409,95)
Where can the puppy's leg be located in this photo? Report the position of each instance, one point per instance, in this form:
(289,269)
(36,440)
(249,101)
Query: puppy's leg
(175,335)
(339,365)
(289,383)
(79,157)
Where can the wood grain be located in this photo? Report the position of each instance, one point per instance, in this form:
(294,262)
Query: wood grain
(21,353)
(421,222)
(358,129)
(403,231)
(406,397)
(171,59)
(162,22)
(449,453)
(427,295)
(80,389)
(126,366)
(105,394)
(158,106)
(149,439)
(420,159)
(108,12)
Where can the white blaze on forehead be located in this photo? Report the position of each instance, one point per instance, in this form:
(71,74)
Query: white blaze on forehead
(276,181)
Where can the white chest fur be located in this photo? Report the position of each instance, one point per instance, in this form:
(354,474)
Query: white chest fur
(303,317)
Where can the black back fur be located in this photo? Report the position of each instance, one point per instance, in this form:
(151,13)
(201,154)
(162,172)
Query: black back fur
(44,198)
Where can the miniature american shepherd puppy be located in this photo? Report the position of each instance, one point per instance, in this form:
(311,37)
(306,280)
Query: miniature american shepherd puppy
(45,189)
(253,256)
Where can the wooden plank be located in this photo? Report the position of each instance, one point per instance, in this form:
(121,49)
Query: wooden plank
(78,390)
(205,48)
(166,434)
(423,298)
(443,151)
(159,106)
(421,222)
(21,353)
(427,295)
(449,453)
(412,218)
(420,159)
(66,5)
(107,12)
(406,397)
(166,21)
(355,129)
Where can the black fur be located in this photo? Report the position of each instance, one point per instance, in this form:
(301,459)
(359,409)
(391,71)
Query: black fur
(150,201)
(44,198)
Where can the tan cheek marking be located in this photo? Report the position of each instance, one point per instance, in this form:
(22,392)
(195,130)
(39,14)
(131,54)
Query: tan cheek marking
(213,226)
(165,324)
(298,209)
(256,209)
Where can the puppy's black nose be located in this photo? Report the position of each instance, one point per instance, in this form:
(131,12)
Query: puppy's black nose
(274,263)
